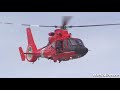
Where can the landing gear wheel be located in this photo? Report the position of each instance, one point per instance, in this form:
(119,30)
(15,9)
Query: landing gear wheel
(55,60)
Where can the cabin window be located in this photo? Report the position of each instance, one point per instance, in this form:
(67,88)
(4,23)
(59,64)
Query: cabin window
(65,44)
(59,44)
(53,45)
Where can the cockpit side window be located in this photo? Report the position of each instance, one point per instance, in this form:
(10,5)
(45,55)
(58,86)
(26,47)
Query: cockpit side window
(65,45)
(69,44)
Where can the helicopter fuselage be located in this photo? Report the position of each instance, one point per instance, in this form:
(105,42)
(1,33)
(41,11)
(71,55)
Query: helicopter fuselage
(61,47)
(71,48)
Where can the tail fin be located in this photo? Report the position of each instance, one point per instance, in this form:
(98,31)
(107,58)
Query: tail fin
(22,54)
(30,39)
(31,53)
(31,49)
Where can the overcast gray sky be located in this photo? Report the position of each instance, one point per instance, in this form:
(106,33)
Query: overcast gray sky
(104,43)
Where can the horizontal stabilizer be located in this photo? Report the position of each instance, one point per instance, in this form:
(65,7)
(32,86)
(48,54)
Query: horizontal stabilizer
(22,54)
(31,53)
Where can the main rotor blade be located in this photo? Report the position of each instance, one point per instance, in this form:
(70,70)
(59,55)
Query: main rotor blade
(28,25)
(95,25)
(48,26)
(65,20)
(10,23)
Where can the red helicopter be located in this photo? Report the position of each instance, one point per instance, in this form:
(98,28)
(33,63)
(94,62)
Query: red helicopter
(61,46)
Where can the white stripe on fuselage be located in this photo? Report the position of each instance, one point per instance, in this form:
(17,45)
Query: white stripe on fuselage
(42,53)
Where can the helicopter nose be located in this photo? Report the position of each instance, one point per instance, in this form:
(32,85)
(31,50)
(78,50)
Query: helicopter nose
(82,51)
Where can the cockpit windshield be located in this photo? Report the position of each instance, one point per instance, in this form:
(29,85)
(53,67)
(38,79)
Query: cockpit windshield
(73,42)
(76,42)
(80,42)
(70,44)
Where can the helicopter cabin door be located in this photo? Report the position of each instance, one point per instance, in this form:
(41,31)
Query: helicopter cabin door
(59,46)
(65,45)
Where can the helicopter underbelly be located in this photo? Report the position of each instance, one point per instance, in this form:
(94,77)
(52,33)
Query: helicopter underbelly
(47,53)
(66,56)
